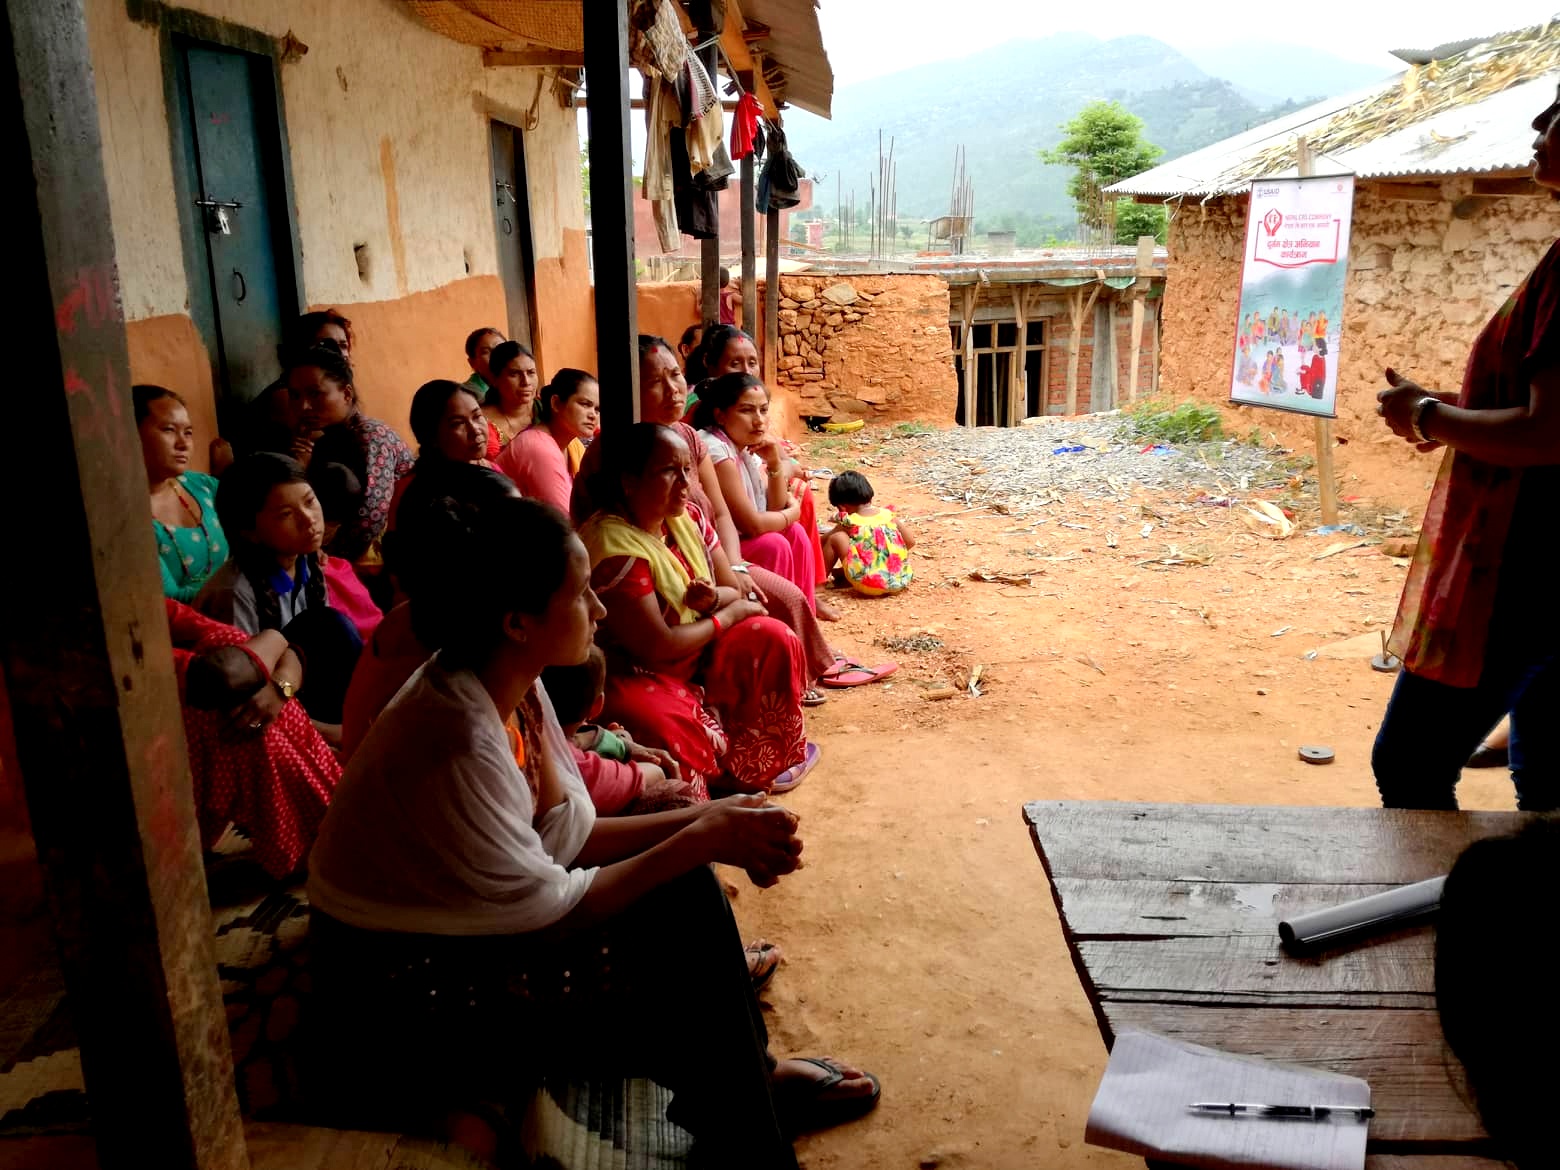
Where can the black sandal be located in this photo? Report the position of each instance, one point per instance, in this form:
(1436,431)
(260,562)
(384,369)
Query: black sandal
(802,1105)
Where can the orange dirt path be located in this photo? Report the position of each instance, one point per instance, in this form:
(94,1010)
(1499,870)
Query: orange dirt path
(921,938)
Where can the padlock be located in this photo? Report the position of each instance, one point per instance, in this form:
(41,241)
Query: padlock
(221,225)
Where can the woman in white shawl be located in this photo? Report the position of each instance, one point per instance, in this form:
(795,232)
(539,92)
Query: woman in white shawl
(476,927)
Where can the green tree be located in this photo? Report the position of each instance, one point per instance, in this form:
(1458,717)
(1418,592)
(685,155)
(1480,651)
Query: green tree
(1139,219)
(1104,144)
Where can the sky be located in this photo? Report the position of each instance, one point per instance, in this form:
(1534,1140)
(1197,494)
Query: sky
(867,38)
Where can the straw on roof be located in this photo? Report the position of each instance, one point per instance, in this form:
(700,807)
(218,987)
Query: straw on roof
(1488,68)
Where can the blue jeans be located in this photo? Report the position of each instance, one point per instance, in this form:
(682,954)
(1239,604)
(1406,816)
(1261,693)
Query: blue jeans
(1430,729)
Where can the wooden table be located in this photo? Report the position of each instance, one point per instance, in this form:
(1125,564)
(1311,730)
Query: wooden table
(1171,912)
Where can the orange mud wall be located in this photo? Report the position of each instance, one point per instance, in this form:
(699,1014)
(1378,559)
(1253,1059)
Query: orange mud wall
(387,129)
(1421,285)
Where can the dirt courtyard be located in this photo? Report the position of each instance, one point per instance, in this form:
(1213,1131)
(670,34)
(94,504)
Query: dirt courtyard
(921,938)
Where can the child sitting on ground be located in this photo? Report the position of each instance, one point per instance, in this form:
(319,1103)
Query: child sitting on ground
(621,776)
(869,547)
(340,494)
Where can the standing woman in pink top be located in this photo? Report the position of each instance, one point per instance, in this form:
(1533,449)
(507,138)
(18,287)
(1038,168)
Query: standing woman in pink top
(568,413)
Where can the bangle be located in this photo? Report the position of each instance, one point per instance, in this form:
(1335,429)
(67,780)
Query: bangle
(1417,419)
(739,567)
(715,621)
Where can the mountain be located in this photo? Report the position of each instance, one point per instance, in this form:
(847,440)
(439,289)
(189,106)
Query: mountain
(1003,105)
(1293,72)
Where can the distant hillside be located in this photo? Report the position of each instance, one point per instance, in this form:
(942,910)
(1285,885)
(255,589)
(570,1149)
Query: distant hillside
(1290,72)
(1003,105)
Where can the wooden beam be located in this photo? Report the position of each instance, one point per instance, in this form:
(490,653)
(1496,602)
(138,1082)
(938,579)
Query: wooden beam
(736,40)
(1408,192)
(532,59)
(746,214)
(639,103)
(1079,312)
(1136,347)
(771,296)
(1506,188)
(969,355)
(87,661)
(612,214)
(1018,392)
(709,21)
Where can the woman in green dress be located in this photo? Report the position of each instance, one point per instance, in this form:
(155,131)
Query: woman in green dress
(190,543)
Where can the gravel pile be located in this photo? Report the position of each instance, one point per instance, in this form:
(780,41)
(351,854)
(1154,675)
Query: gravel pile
(1023,468)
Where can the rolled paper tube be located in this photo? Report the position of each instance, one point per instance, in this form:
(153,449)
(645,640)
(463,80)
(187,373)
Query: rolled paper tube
(1363,916)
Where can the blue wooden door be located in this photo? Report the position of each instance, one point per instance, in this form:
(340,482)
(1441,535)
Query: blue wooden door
(241,243)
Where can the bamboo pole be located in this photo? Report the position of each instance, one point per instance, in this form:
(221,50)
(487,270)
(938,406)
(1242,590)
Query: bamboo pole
(969,356)
(1327,487)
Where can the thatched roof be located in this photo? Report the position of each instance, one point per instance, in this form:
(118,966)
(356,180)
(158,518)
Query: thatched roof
(1468,113)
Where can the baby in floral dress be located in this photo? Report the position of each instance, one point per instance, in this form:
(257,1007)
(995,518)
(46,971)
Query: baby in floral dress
(869,547)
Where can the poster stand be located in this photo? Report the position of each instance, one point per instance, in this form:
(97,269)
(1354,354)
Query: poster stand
(1327,486)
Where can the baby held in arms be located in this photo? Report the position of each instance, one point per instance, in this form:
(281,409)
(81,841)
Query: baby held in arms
(622,777)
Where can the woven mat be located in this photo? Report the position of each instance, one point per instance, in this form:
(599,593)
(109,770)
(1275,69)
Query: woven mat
(261,939)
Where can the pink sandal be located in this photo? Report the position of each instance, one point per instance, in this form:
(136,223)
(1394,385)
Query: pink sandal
(794,775)
(845,673)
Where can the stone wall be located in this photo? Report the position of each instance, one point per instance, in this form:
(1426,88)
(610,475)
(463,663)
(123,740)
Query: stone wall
(867,346)
(1421,285)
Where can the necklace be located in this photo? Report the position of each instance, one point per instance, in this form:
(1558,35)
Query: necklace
(191,508)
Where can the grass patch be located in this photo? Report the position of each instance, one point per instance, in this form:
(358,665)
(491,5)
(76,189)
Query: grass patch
(1190,422)
(911,430)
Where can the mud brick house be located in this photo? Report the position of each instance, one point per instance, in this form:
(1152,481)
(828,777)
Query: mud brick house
(185,178)
(1447,220)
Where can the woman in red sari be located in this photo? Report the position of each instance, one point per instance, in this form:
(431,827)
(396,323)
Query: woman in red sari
(255,758)
(663,395)
(694,666)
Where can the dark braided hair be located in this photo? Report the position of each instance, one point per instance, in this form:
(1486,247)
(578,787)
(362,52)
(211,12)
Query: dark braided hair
(712,347)
(721,394)
(498,362)
(241,495)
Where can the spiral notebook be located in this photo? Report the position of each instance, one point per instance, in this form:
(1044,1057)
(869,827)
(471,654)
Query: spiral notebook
(1143,1102)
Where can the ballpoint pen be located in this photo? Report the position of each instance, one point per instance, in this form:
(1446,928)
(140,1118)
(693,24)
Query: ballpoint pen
(1302,1112)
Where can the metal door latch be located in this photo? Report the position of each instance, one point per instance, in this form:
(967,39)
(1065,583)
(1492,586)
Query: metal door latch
(217,220)
(505,189)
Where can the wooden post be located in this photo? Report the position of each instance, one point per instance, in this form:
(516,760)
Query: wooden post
(87,661)
(1079,312)
(709,21)
(1111,354)
(969,355)
(612,215)
(771,296)
(1145,272)
(1018,391)
(1327,487)
(749,251)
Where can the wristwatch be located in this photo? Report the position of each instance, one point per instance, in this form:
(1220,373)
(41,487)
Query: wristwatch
(286,688)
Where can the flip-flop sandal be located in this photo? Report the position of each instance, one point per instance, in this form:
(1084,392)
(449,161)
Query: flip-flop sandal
(794,775)
(802,1105)
(813,697)
(845,673)
(770,956)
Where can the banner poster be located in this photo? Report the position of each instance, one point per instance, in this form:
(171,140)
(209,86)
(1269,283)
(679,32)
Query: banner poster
(1291,294)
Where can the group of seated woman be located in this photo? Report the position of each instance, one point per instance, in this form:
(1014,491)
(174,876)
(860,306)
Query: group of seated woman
(368,632)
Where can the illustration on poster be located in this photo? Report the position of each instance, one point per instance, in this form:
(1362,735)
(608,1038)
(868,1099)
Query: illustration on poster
(1291,306)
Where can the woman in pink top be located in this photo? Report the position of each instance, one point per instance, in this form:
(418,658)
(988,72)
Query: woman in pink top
(568,411)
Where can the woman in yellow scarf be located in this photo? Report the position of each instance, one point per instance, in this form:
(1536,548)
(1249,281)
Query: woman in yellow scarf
(694,665)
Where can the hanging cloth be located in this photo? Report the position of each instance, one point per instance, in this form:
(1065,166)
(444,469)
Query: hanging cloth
(778,186)
(744,126)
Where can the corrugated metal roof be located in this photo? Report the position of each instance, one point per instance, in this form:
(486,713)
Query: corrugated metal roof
(794,48)
(1488,134)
